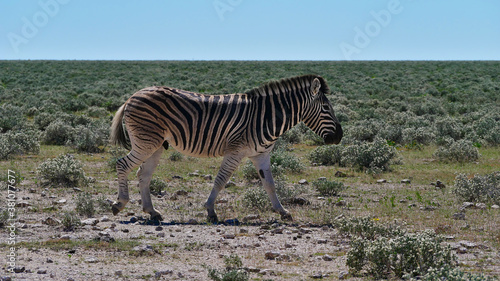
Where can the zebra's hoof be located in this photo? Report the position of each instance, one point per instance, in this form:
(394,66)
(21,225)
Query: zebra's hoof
(286,216)
(212,218)
(156,217)
(115,209)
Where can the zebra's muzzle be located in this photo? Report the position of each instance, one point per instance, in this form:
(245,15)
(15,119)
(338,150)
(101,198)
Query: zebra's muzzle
(336,137)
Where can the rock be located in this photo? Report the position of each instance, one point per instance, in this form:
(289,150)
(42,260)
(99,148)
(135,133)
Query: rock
(272,255)
(91,260)
(119,273)
(176,177)
(481,206)
(252,269)
(343,275)
(461,250)
(143,248)
(251,217)
(23,204)
(439,184)
(160,234)
(467,205)
(467,244)
(133,219)
(341,203)
(91,221)
(161,273)
(32,190)
(229,236)
(243,230)
(181,193)
(104,219)
(60,202)
(303,182)
(327,258)
(230,184)
(41,271)
(192,221)
(5,278)
(381,181)
(406,181)
(322,241)
(159,228)
(459,216)
(19,269)
(207,177)
(317,275)
(322,178)
(299,201)
(51,221)
(222,201)
(495,206)
(340,174)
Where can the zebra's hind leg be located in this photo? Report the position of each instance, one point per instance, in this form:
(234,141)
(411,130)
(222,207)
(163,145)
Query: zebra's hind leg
(262,163)
(229,165)
(123,167)
(144,174)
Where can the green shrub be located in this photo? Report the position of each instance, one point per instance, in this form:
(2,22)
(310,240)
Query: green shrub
(478,188)
(70,221)
(418,135)
(85,204)
(95,111)
(176,156)
(457,151)
(157,185)
(249,171)
(255,198)
(449,127)
(64,170)
(232,272)
(58,133)
(11,116)
(18,142)
(328,188)
(408,254)
(375,157)
(450,273)
(368,228)
(90,138)
(326,155)
(286,160)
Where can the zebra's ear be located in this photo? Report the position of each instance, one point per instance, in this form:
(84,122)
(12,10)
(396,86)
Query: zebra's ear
(315,86)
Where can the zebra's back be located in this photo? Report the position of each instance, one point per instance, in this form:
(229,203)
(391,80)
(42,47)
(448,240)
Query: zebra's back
(194,124)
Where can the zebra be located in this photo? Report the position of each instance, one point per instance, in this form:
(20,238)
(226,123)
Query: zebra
(233,126)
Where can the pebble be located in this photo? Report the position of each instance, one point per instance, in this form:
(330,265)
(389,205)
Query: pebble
(381,181)
(272,255)
(41,271)
(467,205)
(251,217)
(481,206)
(322,241)
(19,269)
(91,260)
(91,221)
(327,258)
(406,181)
(51,221)
(303,181)
(207,177)
(229,236)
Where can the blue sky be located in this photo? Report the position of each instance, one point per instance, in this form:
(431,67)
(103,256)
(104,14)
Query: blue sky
(250,30)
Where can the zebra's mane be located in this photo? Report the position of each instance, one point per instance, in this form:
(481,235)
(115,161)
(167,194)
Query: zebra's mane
(269,88)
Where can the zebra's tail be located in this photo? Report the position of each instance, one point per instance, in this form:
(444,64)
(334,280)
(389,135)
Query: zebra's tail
(118,134)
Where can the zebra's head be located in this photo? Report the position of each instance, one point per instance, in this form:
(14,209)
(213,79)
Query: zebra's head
(319,114)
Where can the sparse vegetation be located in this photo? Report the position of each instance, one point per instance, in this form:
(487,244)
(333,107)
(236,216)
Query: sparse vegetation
(62,170)
(423,121)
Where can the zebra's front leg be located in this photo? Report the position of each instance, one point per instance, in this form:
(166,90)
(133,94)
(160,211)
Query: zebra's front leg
(144,174)
(229,165)
(262,163)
